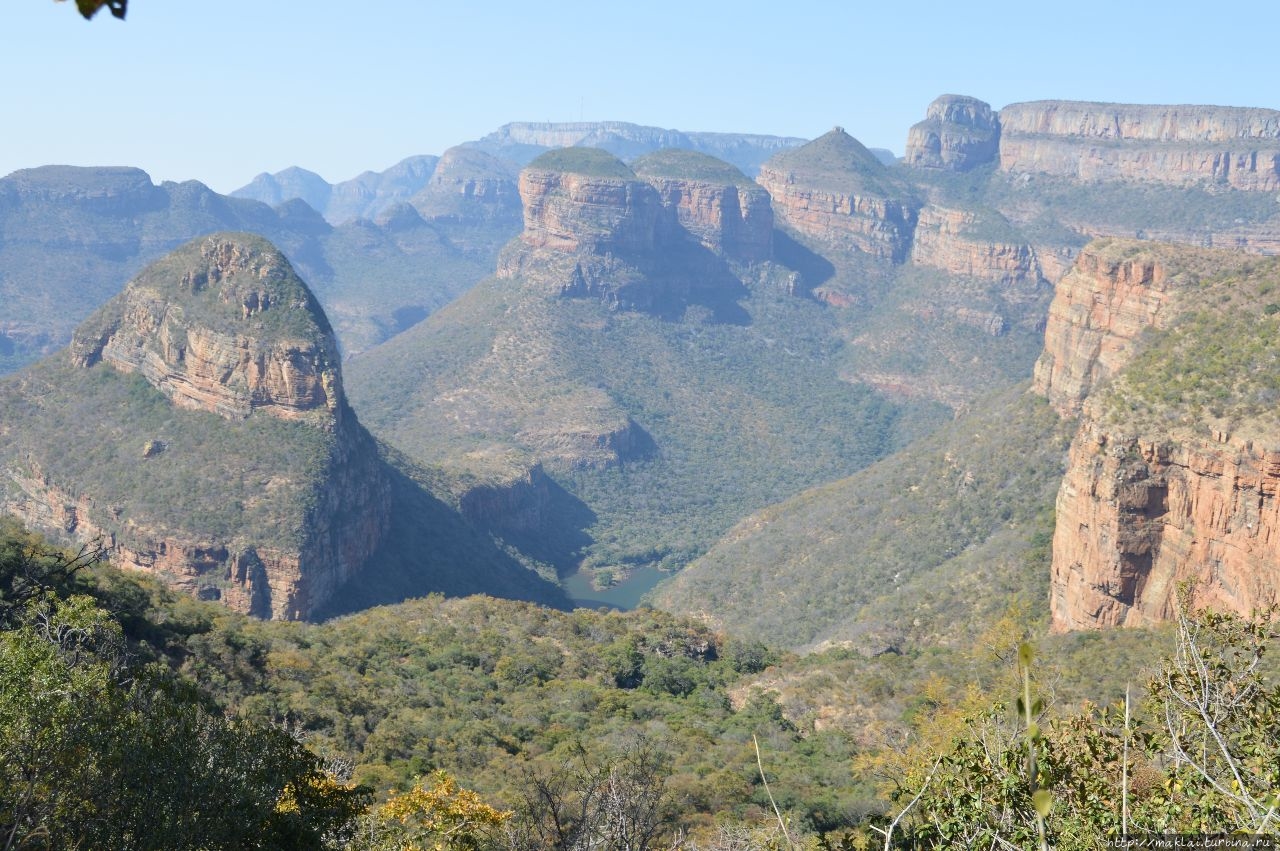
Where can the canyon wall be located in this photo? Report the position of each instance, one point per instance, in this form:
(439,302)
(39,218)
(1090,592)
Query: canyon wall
(1148,503)
(1177,145)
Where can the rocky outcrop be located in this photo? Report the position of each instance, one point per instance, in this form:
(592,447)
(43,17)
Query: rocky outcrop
(469,185)
(272,523)
(1177,145)
(836,191)
(594,228)
(1138,515)
(958,134)
(1115,290)
(960,242)
(235,339)
(1149,504)
(713,202)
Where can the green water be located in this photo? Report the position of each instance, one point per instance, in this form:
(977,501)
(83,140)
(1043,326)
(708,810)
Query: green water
(625,595)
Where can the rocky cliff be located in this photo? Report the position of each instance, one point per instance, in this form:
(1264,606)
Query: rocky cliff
(836,191)
(959,133)
(220,453)
(713,202)
(1174,472)
(975,245)
(239,332)
(469,185)
(595,228)
(1179,145)
(1115,291)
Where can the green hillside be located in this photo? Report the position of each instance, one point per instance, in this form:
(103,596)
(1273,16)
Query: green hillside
(924,547)
(690,165)
(739,415)
(592,162)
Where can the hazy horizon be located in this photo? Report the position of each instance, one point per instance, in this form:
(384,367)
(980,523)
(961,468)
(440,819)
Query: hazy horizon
(222,92)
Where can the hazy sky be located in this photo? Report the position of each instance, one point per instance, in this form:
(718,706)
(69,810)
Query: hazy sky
(220,90)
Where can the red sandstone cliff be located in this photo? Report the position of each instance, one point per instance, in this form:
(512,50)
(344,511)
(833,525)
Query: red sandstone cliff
(1148,503)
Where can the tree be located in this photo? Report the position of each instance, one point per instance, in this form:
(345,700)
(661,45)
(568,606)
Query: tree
(89,8)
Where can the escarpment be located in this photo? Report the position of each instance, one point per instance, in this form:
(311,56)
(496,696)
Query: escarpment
(836,191)
(1172,479)
(1115,291)
(198,428)
(970,244)
(1178,145)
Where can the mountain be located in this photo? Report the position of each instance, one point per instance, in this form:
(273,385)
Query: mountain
(364,196)
(73,235)
(522,141)
(1168,354)
(635,347)
(198,427)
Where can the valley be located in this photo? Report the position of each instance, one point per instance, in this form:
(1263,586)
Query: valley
(588,435)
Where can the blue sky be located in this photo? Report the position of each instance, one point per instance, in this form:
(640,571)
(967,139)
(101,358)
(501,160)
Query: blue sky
(220,90)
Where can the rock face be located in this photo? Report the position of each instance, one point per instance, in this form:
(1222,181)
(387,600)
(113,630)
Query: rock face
(207,348)
(836,191)
(1177,145)
(1145,507)
(595,228)
(958,134)
(713,202)
(233,340)
(959,242)
(1136,516)
(1115,290)
(469,185)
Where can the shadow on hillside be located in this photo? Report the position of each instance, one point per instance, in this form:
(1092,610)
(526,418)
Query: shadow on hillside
(693,276)
(813,268)
(430,548)
(557,536)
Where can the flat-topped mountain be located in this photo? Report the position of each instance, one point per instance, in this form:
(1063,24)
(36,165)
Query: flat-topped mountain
(637,339)
(653,241)
(958,133)
(1181,145)
(522,141)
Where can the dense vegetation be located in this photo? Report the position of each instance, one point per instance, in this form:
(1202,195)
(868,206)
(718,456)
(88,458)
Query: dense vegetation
(740,414)
(112,735)
(592,162)
(911,549)
(121,440)
(1215,366)
(690,165)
